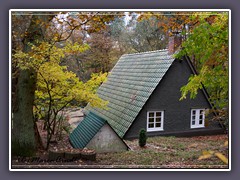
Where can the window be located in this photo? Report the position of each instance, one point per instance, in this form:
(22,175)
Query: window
(155,121)
(197,118)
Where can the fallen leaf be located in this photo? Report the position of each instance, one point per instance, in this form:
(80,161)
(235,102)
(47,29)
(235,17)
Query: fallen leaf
(222,157)
(226,143)
(207,152)
(205,156)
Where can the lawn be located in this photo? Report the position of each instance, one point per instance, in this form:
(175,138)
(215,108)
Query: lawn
(159,152)
(169,152)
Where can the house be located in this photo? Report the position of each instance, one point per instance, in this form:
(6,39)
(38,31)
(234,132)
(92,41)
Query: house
(143,90)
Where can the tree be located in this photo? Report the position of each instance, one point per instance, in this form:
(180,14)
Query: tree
(58,88)
(31,30)
(139,36)
(146,35)
(208,43)
(26,30)
(101,56)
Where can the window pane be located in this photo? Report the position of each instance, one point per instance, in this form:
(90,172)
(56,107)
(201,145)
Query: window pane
(201,121)
(193,122)
(158,119)
(151,120)
(193,117)
(201,111)
(150,125)
(151,114)
(193,112)
(201,117)
(158,114)
(158,124)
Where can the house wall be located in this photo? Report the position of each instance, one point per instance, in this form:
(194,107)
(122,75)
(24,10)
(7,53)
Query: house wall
(106,140)
(176,113)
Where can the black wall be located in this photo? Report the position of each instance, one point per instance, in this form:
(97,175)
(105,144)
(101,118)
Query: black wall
(176,113)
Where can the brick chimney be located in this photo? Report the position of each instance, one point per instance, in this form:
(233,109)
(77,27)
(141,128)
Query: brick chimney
(174,42)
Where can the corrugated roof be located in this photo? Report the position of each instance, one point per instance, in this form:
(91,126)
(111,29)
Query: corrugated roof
(86,130)
(129,85)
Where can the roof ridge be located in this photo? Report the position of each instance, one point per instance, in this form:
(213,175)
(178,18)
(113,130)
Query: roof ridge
(146,52)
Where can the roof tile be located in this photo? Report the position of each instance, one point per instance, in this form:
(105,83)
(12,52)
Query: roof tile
(86,130)
(129,85)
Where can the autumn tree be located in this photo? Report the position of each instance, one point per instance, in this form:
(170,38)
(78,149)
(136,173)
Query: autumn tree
(25,29)
(58,88)
(31,30)
(101,56)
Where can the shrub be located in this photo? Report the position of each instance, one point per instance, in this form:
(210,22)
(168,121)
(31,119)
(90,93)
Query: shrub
(142,138)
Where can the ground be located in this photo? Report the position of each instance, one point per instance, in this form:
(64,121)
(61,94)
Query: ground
(159,152)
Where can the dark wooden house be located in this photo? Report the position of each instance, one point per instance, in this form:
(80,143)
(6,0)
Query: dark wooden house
(143,91)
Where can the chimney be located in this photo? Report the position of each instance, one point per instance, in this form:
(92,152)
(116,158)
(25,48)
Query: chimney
(174,42)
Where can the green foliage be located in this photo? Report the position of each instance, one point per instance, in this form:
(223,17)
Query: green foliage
(142,138)
(208,44)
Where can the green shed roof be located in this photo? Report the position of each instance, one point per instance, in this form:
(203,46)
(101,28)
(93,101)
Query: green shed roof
(129,85)
(86,130)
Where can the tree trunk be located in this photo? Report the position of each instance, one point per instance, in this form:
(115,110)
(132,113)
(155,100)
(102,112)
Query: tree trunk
(23,137)
(24,141)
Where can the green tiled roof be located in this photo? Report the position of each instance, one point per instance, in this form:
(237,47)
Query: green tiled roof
(86,130)
(129,85)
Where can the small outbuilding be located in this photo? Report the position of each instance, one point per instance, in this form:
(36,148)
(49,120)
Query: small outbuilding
(143,91)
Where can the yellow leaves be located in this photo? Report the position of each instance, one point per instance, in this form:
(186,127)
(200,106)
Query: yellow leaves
(209,154)
(206,155)
(222,157)
(75,48)
(37,21)
(45,52)
(55,82)
(96,80)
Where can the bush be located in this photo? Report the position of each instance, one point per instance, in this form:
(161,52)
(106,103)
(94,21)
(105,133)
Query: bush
(142,138)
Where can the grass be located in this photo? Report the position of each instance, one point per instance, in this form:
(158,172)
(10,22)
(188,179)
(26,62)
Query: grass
(169,151)
(159,152)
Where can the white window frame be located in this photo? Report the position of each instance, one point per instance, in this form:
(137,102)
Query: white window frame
(196,121)
(154,128)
